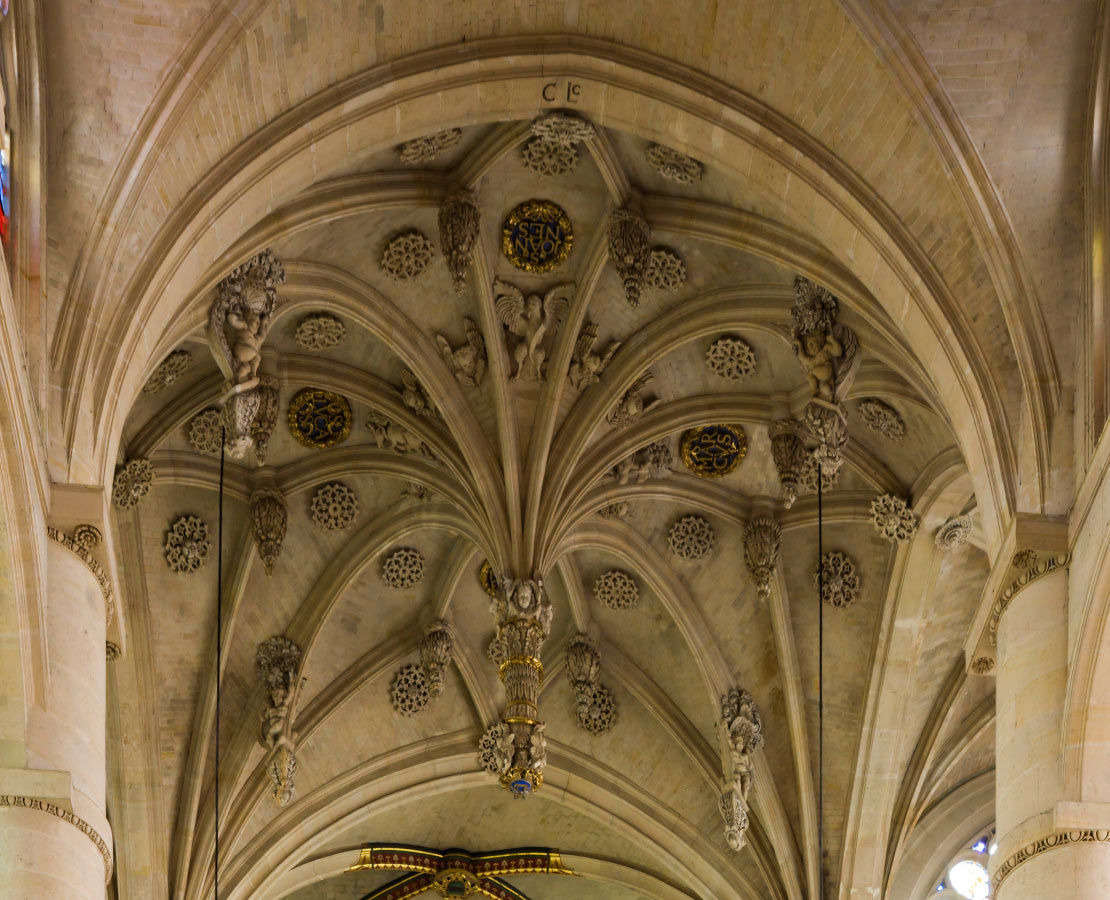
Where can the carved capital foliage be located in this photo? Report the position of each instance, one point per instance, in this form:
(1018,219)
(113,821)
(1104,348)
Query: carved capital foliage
(1027,577)
(81,544)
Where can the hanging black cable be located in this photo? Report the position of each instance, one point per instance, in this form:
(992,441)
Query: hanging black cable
(820,689)
(219,646)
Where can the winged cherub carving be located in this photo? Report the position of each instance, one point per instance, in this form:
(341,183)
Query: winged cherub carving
(632,405)
(586,366)
(468,362)
(531,321)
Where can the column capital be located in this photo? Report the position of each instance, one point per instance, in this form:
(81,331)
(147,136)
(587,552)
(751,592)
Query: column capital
(1032,547)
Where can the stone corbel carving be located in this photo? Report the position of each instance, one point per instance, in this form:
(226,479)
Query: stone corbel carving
(269,517)
(436,648)
(468,362)
(238,323)
(459,218)
(531,321)
(630,249)
(278,666)
(762,539)
(586,366)
(741,732)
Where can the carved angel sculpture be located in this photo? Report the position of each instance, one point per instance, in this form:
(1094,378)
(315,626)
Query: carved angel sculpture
(468,362)
(586,366)
(531,321)
(631,406)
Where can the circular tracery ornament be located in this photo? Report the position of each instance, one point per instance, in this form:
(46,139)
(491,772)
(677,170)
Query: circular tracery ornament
(488,579)
(674,165)
(403,568)
(206,431)
(425,149)
(537,236)
(334,506)
(320,331)
(407,255)
(691,537)
(408,692)
(892,518)
(808,480)
(882,418)
(666,270)
(495,650)
(168,371)
(953,533)
(730,357)
(837,580)
(132,483)
(712,451)
(599,713)
(490,754)
(187,545)
(319,418)
(617,590)
(546,157)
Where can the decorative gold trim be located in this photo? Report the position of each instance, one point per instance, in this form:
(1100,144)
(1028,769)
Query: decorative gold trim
(543,210)
(1043,845)
(84,538)
(522,773)
(13,801)
(521,661)
(487,579)
(698,465)
(330,397)
(1017,585)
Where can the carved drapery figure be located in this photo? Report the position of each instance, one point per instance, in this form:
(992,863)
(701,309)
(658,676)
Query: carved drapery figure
(278,666)
(532,321)
(586,366)
(632,405)
(458,232)
(761,551)
(523,615)
(468,362)
(238,324)
(436,648)
(741,732)
(269,516)
(630,249)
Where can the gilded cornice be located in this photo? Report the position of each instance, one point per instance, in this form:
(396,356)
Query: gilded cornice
(80,543)
(18,802)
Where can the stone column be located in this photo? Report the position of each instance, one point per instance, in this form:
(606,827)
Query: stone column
(54,835)
(1047,848)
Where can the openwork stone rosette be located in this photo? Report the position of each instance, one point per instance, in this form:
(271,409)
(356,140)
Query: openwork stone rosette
(132,483)
(730,357)
(882,418)
(837,579)
(168,371)
(713,451)
(563,128)
(666,271)
(495,749)
(207,430)
(953,533)
(406,256)
(892,518)
(691,537)
(673,165)
(334,506)
(320,331)
(408,692)
(187,545)
(617,590)
(319,418)
(548,157)
(425,149)
(598,714)
(403,568)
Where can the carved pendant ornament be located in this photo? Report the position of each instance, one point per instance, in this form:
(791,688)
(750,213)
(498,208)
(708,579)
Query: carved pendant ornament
(537,236)
(459,218)
(837,580)
(630,250)
(532,323)
(762,540)
(691,537)
(407,255)
(187,545)
(269,517)
(436,650)
(334,507)
(713,451)
(425,149)
(132,483)
(594,706)
(319,418)
(320,331)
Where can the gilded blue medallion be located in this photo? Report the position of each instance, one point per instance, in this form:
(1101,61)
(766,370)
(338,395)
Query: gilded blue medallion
(319,418)
(712,451)
(537,236)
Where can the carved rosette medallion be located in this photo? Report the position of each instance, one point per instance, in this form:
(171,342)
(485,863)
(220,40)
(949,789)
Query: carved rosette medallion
(487,578)
(408,692)
(206,431)
(320,331)
(425,149)
(953,533)
(882,418)
(112,651)
(617,590)
(730,357)
(549,158)
(334,506)
(893,519)
(630,250)
(168,371)
(132,483)
(495,749)
(713,451)
(666,271)
(982,665)
(403,568)
(319,418)
(406,256)
(673,165)
(691,537)
(187,545)
(837,580)
(537,236)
